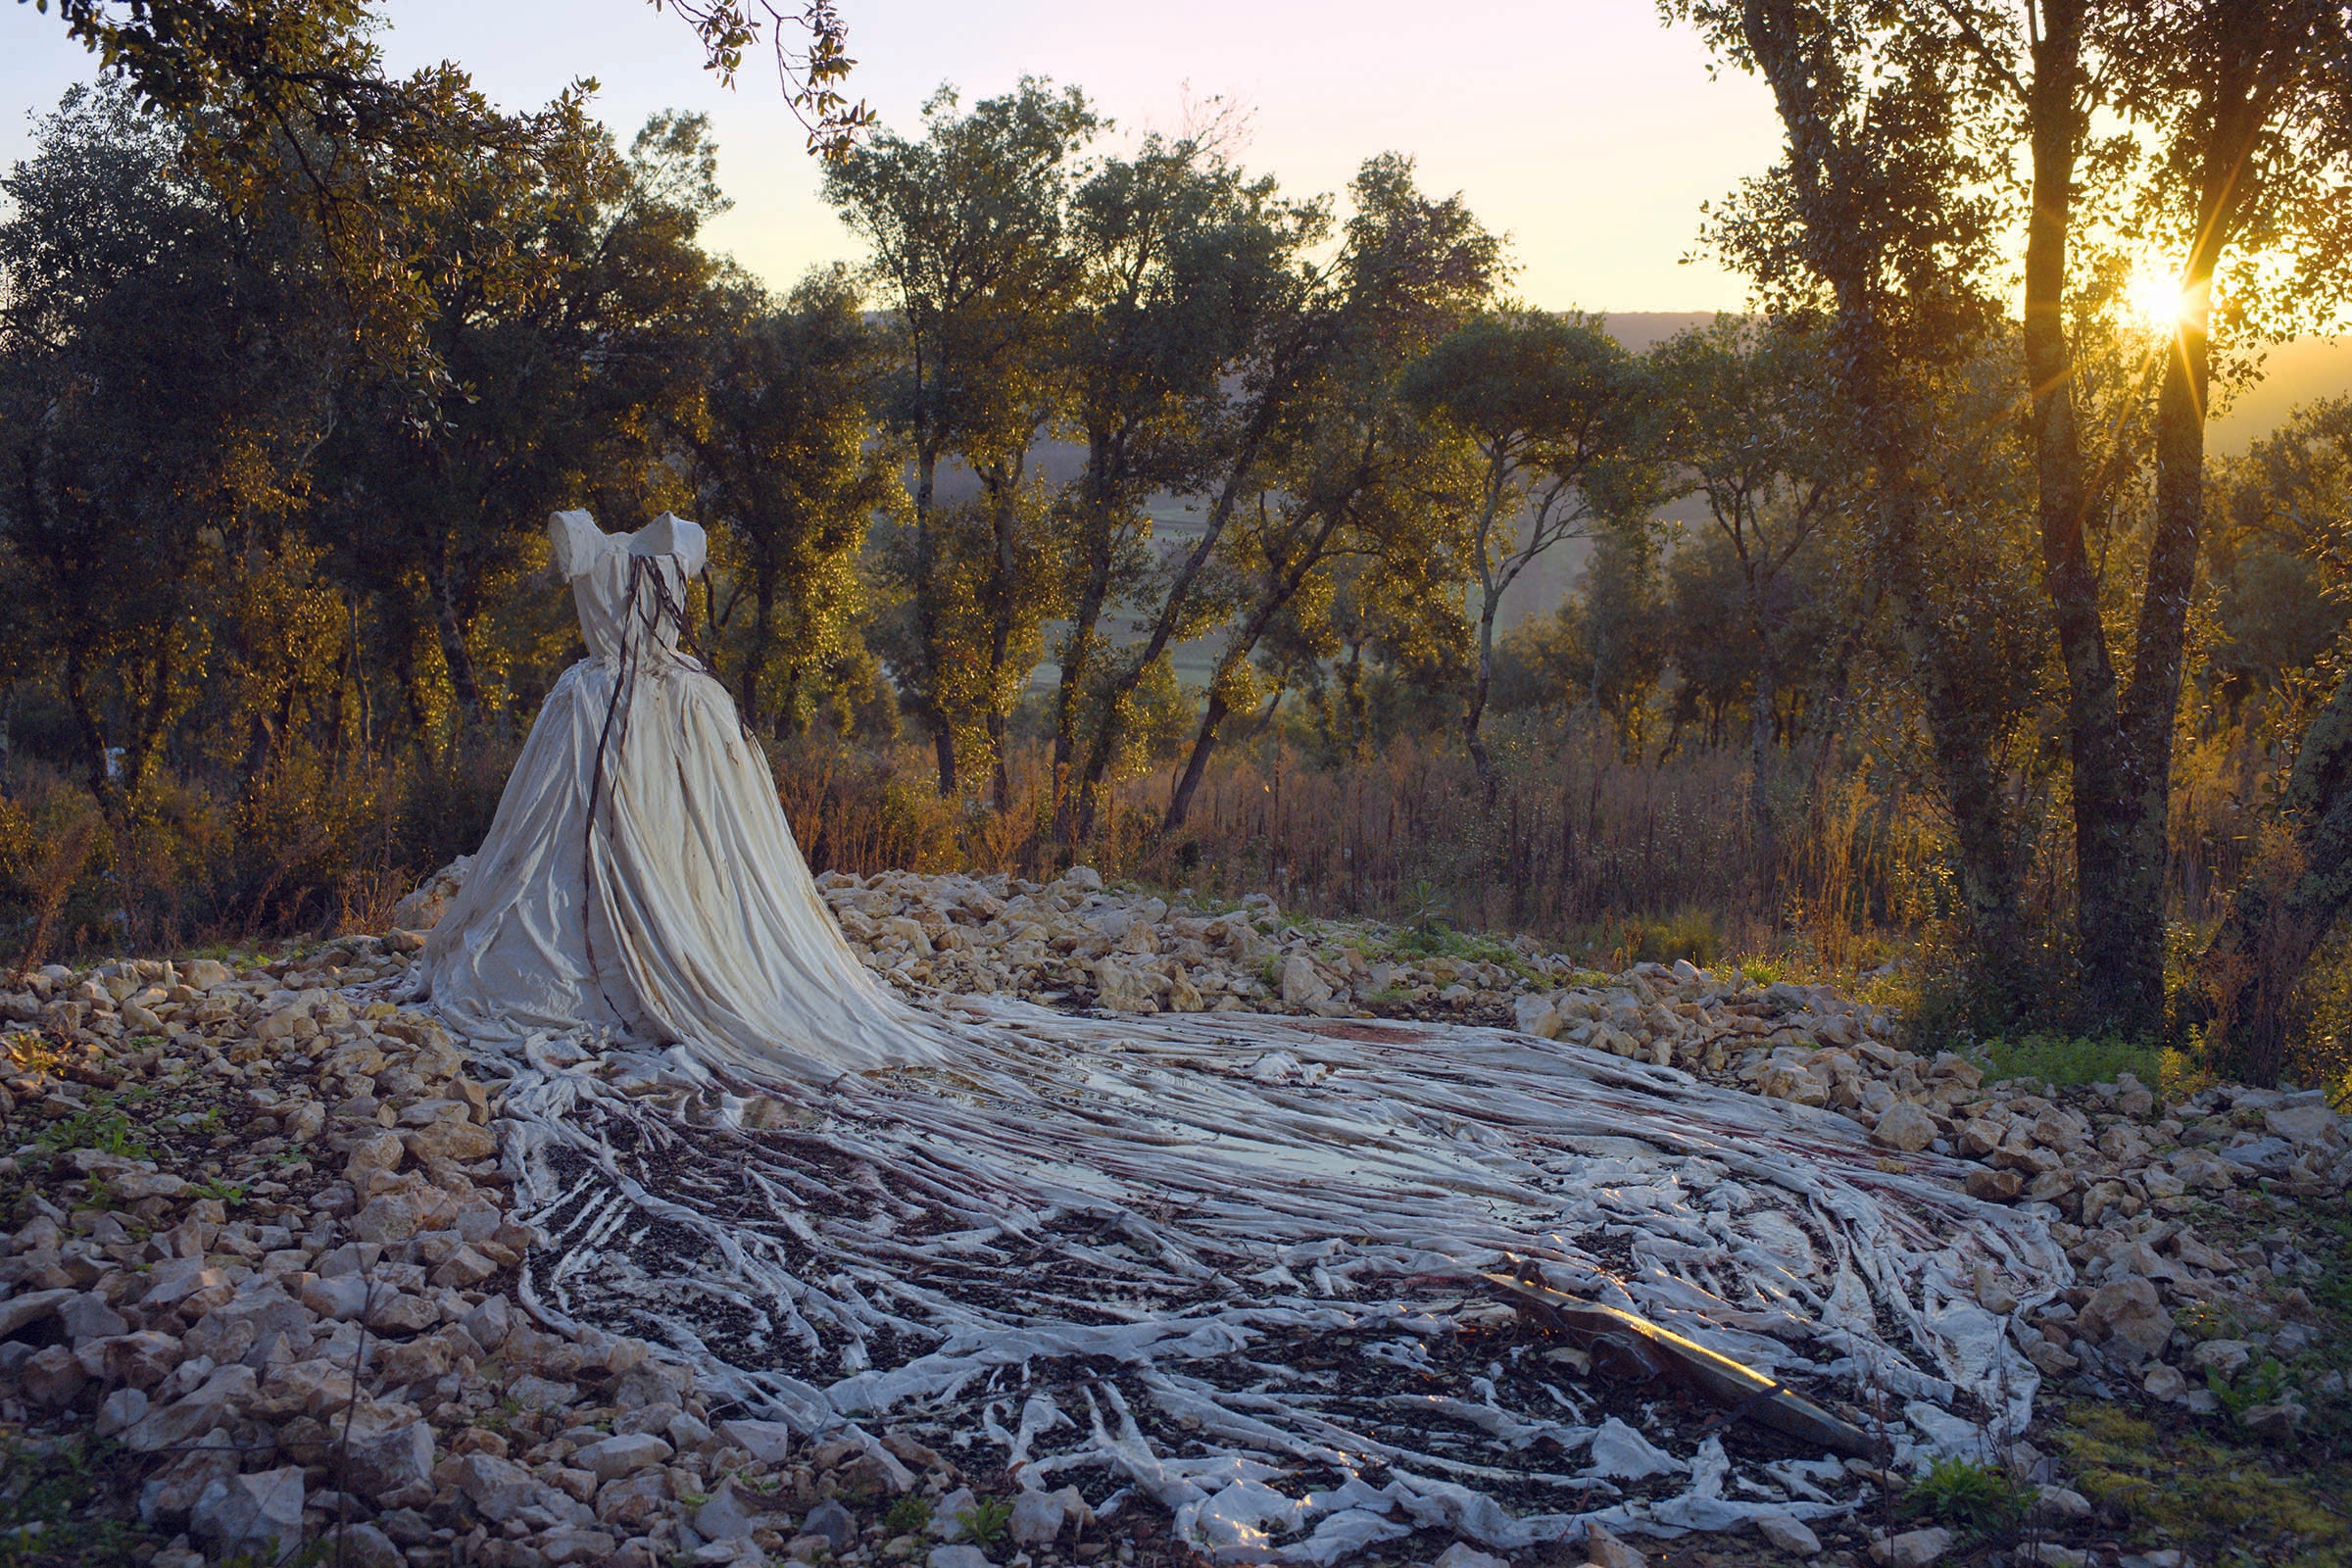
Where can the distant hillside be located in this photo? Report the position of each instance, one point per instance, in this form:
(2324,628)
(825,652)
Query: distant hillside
(2294,374)
(1639,330)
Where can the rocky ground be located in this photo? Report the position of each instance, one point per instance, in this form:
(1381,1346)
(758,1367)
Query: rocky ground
(256,1294)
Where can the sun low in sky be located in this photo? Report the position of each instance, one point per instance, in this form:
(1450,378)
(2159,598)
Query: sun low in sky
(1584,130)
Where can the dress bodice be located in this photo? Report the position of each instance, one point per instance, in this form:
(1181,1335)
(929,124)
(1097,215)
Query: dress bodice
(623,578)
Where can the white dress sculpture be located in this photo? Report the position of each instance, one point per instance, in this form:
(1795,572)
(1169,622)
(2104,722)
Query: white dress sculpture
(1163,1208)
(639,882)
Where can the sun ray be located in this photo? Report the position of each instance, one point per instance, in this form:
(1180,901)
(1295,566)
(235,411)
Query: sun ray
(2154,299)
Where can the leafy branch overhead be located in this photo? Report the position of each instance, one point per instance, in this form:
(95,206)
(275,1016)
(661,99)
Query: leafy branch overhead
(812,74)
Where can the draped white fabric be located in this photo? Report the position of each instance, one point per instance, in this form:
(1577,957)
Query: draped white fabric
(640,882)
(1191,1257)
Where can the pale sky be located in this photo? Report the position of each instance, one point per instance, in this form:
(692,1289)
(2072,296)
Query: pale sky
(1582,128)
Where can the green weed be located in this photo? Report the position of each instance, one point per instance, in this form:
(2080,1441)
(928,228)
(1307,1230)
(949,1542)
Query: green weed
(53,1505)
(1981,1499)
(2259,1384)
(910,1515)
(1427,910)
(2061,1062)
(229,1192)
(2175,1484)
(101,1127)
(988,1521)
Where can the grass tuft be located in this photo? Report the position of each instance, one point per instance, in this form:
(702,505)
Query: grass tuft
(1980,1499)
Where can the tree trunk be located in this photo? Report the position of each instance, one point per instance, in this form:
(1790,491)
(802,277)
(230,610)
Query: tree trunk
(1110,735)
(2238,105)
(1490,597)
(1004,481)
(926,617)
(1278,593)
(1785,46)
(1204,740)
(462,682)
(93,732)
(1281,588)
(1480,683)
(413,689)
(754,664)
(146,740)
(2285,908)
(2119,908)
(1078,646)
(1759,745)
(787,723)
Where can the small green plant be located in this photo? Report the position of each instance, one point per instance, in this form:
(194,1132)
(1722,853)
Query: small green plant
(311,1555)
(2208,1320)
(1426,909)
(988,1521)
(1980,1499)
(2061,1062)
(54,1505)
(229,1192)
(2260,1383)
(908,1516)
(2332,1289)
(1692,934)
(101,1127)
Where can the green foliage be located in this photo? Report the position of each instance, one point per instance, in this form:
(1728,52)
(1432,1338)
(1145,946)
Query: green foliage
(2062,1062)
(101,1127)
(229,1192)
(973,284)
(1979,1499)
(783,466)
(2259,1384)
(2213,1499)
(1693,934)
(2278,619)
(276,547)
(1561,422)
(909,1514)
(61,1503)
(1424,911)
(988,1521)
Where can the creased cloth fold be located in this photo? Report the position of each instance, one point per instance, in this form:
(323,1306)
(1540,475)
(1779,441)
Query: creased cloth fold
(640,882)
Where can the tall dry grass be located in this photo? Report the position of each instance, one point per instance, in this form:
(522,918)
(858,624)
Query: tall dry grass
(1582,845)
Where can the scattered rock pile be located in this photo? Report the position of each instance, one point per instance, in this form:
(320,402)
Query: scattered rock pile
(269,1255)
(1071,942)
(262,1238)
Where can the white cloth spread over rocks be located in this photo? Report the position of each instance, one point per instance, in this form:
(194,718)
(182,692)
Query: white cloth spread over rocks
(322,1273)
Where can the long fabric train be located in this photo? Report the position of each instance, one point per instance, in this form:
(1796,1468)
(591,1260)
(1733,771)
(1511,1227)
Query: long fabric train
(1229,1263)
(1232,1263)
